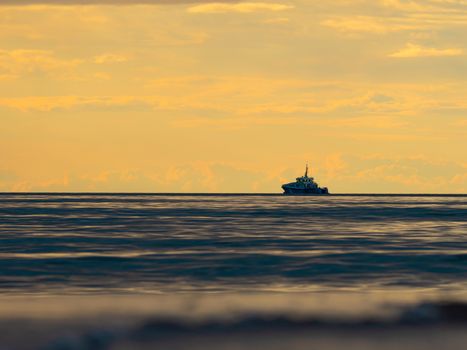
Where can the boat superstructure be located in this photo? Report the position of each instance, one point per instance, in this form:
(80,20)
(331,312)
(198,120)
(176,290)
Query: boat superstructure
(304,185)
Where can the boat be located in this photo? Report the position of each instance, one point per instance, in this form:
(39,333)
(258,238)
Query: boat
(304,186)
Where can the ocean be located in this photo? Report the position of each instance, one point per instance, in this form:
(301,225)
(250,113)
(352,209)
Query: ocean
(141,271)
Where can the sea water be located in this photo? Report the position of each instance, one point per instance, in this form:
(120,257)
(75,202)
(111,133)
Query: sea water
(324,258)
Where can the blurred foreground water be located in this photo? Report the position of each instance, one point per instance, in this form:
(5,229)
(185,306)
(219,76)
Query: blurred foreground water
(102,271)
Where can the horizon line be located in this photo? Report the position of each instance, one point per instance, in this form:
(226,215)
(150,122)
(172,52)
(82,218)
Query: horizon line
(230,194)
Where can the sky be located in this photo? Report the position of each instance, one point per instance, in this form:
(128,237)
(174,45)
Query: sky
(233,96)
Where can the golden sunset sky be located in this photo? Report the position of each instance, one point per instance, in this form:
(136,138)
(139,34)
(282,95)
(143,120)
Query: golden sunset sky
(199,96)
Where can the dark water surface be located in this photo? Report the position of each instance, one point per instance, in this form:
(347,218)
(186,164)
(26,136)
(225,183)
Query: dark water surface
(159,243)
(142,271)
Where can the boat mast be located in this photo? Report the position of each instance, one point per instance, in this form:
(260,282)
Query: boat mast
(306,171)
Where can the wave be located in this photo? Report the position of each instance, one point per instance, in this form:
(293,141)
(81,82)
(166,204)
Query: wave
(250,331)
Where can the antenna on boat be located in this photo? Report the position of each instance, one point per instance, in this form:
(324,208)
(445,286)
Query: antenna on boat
(306,171)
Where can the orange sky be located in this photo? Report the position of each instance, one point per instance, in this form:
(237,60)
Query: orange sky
(199,96)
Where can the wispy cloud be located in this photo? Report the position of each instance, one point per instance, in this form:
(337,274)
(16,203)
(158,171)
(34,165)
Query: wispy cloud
(17,62)
(51,103)
(21,63)
(110,58)
(278,20)
(242,7)
(414,50)
(390,16)
(369,24)
(260,98)
(425,5)
(103,2)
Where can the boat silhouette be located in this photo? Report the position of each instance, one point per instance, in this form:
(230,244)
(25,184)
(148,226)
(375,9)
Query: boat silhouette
(304,185)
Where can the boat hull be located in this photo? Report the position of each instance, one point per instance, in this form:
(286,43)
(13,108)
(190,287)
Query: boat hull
(305,191)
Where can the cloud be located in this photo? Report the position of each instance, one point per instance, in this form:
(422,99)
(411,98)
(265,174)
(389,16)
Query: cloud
(242,7)
(380,98)
(425,5)
(413,174)
(188,177)
(363,173)
(279,20)
(22,63)
(53,103)
(17,62)
(368,24)
(406,5)
(103,2)
(413,50)
(424,17)
(255,100)
(347,123)
(110,58)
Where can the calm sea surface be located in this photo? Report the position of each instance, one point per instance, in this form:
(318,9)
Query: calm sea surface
(233,272)
(100,243)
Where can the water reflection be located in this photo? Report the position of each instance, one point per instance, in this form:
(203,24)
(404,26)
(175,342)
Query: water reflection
(157,243)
